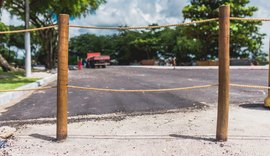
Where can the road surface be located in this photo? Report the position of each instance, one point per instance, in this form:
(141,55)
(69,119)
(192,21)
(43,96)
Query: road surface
(42,104)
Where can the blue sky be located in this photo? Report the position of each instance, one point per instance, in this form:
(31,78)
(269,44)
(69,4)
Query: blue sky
(142,12)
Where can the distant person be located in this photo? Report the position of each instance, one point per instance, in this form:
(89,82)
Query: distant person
(84,63)
(80,64)
(174,62)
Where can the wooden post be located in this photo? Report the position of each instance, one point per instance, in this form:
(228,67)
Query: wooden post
(267,99)
(62,77)
(224,73)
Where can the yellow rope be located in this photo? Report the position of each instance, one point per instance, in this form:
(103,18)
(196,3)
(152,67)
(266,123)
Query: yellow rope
(142,91)
(249,86)
(249,19)
(111,28)
(27,30)
(145,27)
(21,90)
(135,27)
(169,25)
(138,91)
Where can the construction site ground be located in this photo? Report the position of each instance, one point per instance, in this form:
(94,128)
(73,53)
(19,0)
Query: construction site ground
(171,123)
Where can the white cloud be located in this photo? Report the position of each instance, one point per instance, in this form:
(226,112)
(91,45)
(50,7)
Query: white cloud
(141,12)
(133,13)
(9,20)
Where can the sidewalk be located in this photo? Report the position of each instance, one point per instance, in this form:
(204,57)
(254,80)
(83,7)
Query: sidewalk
(180,133)
(46,78)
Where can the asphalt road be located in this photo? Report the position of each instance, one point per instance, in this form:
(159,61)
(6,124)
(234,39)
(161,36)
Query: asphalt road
(43,103)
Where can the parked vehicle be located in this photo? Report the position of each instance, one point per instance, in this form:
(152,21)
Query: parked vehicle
(96,60)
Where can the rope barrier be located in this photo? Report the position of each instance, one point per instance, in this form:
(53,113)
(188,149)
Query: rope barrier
(250,86)
(136,91)
(28,30)
(33,89)
(142,91)
(135,27)
(249,19)
(145,27)
(169,25)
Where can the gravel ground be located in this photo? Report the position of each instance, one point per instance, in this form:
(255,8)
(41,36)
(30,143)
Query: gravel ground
(142,124)
(179,133)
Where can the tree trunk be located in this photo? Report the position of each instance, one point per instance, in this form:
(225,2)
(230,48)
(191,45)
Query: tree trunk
(5,65)
(49,38)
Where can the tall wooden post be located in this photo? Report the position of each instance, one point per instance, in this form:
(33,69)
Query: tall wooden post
(62,78)
(224,73)
(267,99)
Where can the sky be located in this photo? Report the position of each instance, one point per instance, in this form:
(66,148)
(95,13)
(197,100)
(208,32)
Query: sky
(144,12)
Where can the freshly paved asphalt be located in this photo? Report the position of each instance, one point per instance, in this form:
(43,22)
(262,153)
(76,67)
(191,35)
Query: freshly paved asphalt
(43,103)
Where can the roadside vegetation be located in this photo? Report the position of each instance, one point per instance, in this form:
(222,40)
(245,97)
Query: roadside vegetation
(12,80)
(42,13)
(198,42)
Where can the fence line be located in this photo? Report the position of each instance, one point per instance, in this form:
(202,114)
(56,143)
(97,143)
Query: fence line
(250,86)
(139,90)
(28,30)
(145,27)
(250,19)
(168,25)
(223,94)
(134,27)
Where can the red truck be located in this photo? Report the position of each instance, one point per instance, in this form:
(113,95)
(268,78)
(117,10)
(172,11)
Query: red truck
(96,60)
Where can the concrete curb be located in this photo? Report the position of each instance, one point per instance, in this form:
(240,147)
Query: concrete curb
(201,67)
(11,96)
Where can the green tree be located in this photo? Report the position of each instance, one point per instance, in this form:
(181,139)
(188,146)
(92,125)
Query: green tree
(245,36)
(146,45)
(80,45)
(4,50)
(3,38)
(125,52)
(133,46)
(174,43)
(44,13)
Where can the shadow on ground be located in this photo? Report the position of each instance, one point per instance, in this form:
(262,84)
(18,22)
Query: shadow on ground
(42,137)
(208,138)
(125,137)
(254,106)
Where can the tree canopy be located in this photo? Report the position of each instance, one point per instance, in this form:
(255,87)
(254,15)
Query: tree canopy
(44,13)
(133,46)
(193,42)
(188,44)
(245,36)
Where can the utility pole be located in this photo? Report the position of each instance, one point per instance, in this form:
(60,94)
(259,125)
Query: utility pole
(27,42)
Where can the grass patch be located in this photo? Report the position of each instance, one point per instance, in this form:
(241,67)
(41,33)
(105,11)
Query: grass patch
(12,80)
